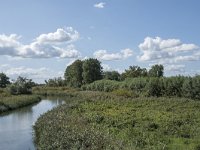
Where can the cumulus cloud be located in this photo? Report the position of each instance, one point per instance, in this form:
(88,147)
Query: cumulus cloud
(104,55)
(175,68)
(100,5)
(61,35)
(57,44)
(157,49)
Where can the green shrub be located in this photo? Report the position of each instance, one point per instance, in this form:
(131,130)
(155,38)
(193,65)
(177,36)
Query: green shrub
(125,93)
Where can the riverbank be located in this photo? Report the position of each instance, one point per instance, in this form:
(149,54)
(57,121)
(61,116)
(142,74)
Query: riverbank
(98,120)
(13,102)
(54,91)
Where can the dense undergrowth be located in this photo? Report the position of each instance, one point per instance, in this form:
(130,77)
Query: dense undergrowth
(178,86)
(14,102)
(98,120)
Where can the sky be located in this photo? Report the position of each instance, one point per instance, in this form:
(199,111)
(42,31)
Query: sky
(40,38)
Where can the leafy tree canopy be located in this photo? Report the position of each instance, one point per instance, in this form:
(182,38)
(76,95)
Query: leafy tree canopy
(4,80)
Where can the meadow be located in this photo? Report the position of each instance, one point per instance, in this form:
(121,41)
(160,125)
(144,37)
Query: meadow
(99,120)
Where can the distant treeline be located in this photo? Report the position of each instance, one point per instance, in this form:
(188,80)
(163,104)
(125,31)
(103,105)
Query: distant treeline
(87,71)
(89,75)
(135,81)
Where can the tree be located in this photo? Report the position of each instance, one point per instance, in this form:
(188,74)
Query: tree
(73,74)
(4,80)
(111,75)
(92,70)
(21,86)
(133,72)
(55,82)
(156,71)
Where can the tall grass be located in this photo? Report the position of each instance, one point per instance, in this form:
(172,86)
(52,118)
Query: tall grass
(53,91)
(99,120)
(178,86)
(14,102)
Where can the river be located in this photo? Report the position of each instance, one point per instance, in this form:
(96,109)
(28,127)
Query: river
(16,127)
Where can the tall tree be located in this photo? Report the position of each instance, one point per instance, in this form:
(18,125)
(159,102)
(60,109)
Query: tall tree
(92,70)
(4,80)
(73,74)
(156,71)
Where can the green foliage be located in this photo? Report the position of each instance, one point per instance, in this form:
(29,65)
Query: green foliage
(54,91)
(173,86)
(156,71)
(111,75)
(21,86)
(14,102)
(191,87)
(154,87)
(125,93)
(135,84)
(92,70)
(55,82)
(105,121)
(83,72)
(4,80)
(73,74)
(133,72)
(102,85)
(178,86)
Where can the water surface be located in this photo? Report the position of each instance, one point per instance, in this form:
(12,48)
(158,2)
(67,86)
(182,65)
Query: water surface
(16,132)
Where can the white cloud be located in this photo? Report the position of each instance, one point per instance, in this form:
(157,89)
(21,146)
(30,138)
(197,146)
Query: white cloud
(104,55)
(60,36)
(106,67)
(100,5)
(175,68)
(173,50)
(44,46)
(37,74)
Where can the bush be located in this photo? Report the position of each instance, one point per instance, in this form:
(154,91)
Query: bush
(178,86)
(125,93)
(102,85)
(155,87)
(21,86)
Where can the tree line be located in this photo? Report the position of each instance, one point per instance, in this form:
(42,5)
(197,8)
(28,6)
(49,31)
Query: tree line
(88,74)
(90,70)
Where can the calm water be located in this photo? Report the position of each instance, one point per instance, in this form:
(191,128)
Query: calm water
(16,131)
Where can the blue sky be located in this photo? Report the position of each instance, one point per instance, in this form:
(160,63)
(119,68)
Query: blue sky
(39,38)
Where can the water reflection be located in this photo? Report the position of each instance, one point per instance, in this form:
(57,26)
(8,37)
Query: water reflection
(16,126)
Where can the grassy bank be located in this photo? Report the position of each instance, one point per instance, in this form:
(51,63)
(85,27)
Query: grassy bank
(53,91)
(104,121)
(14,102)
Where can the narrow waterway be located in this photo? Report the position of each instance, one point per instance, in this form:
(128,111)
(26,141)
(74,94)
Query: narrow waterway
(16,127)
